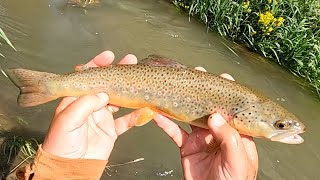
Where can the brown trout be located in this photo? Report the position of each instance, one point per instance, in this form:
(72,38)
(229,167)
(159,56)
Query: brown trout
(165,86)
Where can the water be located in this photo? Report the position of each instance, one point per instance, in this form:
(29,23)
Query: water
(53,37)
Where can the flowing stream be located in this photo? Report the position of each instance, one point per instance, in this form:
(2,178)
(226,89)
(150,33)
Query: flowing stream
(51,36)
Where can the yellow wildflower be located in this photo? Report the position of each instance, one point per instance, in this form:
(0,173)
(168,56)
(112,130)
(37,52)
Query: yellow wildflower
(249,10)
(270,1)
(246,4)
(270,29)
(266,18)
(279,21)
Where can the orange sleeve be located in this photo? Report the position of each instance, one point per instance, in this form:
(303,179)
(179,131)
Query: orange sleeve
(48,166)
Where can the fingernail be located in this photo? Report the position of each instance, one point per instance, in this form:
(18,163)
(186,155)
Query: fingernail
(227,76)
(218,120)
(103,97)
(199,68)
(108,54)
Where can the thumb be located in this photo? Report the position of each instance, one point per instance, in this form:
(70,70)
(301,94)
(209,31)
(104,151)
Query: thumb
(77,112)
(229,139)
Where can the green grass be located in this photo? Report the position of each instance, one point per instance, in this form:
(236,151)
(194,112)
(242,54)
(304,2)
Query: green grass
(4,38)
(15,149)
(14,144)
(293,43)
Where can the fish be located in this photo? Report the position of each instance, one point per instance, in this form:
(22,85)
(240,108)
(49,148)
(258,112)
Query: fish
(162,85)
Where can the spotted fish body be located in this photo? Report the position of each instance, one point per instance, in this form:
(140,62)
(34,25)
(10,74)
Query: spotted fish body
(183,94)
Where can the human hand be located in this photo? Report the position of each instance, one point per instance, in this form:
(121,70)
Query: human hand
(236,158)
(84,127)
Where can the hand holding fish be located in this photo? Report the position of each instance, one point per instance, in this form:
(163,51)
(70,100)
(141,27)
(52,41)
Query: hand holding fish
(234,157)
(84,127)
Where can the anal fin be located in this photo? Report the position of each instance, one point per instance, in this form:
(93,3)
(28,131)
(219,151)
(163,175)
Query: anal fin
(142,116)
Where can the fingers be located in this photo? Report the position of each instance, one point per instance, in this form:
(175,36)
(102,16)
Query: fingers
(64,103)
(107,57)
(103,119)
(200,69)
(126,122)
(103,59)
(224,75)
(177,134)
(227,76)
(78,111)
(198,141)
(129,59)
(103,101)
(232,148)
(113,108)
(251,150)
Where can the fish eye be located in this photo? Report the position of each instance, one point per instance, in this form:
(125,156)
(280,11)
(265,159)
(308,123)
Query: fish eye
(282,124)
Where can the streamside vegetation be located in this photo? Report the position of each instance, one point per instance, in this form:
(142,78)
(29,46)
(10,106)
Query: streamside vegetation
(4,38)
(15,150)
(287,31)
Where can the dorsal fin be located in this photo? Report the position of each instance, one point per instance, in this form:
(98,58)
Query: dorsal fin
(157,60)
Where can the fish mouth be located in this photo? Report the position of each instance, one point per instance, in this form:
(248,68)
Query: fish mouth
(287,137)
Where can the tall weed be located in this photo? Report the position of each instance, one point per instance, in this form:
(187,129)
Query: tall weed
(3,37)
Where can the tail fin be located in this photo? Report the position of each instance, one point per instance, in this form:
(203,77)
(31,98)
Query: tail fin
(32,85)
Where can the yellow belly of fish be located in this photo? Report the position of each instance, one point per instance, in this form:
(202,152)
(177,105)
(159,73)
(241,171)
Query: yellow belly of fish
(145,112)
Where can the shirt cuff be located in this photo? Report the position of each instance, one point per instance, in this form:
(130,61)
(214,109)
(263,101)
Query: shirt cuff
(48,166)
